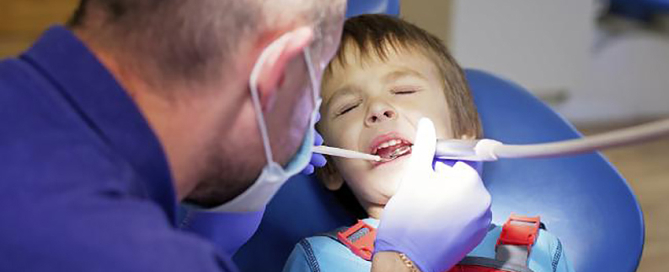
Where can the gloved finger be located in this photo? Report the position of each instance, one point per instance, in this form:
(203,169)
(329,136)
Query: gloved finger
(308,170)
(443,167)
(467,173)
(440,162)
(318,160)
(422,152)
(466,177)
(318,139)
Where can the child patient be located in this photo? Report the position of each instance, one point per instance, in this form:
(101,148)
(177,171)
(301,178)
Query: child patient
(388,74)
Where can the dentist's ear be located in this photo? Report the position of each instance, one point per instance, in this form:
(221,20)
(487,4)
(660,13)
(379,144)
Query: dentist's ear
(272,67)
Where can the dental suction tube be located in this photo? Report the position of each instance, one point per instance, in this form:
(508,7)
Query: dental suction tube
(490,150)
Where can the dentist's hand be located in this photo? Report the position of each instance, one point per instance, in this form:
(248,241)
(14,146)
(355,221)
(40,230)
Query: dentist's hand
(317,160)
(439,214)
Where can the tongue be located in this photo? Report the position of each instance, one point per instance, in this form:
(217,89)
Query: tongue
(386,153)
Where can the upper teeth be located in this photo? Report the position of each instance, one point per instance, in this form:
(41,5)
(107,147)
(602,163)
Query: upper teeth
(390,143)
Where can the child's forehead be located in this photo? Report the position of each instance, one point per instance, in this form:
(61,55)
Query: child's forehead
(355,69)
(351,58)
(353,53)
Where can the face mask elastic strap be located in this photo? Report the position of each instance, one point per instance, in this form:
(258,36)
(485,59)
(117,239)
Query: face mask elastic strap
(312,74)
(253,87)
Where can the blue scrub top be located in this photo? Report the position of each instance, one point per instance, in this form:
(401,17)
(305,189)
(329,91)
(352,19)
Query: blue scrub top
(84,182)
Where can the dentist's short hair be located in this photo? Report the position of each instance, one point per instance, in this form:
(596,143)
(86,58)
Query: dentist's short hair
(191,42)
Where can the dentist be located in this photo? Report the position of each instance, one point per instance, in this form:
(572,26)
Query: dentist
(139,104)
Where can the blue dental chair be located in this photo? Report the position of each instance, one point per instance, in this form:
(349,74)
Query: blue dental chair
(639,9)
(390,7)
(582,199)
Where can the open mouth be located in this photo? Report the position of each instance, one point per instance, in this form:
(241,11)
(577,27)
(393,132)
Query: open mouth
(392,149)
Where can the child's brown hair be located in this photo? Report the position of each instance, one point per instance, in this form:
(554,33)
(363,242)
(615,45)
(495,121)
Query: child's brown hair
(372,35)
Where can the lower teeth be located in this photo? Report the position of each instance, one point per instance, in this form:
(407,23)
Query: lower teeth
(399,152)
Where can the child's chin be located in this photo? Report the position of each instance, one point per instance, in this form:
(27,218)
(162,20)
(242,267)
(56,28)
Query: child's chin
(390,177)
(389,187)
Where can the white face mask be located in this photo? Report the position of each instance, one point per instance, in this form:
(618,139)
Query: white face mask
(273,175)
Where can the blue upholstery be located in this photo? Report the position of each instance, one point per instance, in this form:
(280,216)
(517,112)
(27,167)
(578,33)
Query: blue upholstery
(390,7)
(659,6)
(639,9)
(581,199)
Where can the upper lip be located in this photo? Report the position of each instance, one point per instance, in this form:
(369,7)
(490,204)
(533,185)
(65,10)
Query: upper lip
(376,142)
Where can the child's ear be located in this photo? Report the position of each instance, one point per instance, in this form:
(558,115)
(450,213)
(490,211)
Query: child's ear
(329,176)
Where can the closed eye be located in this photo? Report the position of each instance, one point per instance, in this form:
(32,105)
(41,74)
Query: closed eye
(404,91)
(347,109)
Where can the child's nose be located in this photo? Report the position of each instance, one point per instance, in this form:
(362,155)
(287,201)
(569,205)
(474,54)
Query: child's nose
(380,112)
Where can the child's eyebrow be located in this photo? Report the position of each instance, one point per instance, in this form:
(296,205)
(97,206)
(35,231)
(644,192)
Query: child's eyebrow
(405,72)
(347,89)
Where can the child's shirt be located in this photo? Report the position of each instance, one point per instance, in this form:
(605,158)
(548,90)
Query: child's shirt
(321,253)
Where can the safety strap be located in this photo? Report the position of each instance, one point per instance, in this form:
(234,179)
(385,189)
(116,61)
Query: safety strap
(513,247)
(472,263)
(359,239)
(512,250)
(517,238)
(333,234)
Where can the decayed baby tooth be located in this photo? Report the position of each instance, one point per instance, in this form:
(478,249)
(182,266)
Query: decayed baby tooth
(383,145)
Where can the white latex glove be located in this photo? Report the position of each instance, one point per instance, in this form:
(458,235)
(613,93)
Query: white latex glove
(439,214)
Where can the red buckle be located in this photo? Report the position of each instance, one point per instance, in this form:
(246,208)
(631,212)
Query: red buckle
(363,246)
(520,230)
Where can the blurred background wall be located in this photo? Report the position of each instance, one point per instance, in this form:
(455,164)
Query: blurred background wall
(601,64)
(21,21)
(590,65)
